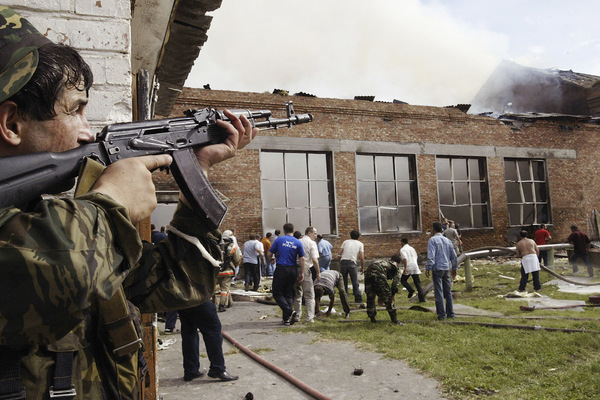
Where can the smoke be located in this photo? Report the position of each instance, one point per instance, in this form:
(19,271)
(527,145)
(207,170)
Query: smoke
(411,50)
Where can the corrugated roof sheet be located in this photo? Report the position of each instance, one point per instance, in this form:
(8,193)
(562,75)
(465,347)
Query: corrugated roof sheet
(187,35)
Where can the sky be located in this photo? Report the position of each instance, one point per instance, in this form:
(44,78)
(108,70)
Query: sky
(423,52)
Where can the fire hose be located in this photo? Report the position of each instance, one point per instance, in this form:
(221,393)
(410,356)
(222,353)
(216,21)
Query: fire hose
(511,251)
(285,375)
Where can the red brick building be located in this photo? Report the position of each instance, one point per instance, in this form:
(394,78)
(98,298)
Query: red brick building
(390,170)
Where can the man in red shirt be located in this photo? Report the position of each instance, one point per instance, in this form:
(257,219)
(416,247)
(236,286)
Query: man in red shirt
(540,236)
(581,249)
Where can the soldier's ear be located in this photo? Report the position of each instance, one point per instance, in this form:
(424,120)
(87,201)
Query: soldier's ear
(10,123)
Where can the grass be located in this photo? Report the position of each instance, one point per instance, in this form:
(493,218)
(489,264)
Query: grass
(479,362)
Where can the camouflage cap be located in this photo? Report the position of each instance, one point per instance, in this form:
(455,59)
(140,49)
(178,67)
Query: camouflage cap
(19,42)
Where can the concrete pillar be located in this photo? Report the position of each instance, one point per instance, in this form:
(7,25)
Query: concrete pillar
(468,275)
(551,258)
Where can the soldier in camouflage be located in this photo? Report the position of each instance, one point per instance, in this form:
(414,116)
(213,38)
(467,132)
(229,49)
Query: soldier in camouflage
(62,257)
(376,284)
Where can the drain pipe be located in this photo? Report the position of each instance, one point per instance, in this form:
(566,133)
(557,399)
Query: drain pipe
(285,375)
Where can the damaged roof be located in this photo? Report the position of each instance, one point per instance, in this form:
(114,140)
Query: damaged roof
(513,88)
(167,36)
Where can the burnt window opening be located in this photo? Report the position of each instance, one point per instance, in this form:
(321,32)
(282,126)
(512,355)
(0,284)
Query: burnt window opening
(463,191)
(297,187)
(387,193)
(527,192)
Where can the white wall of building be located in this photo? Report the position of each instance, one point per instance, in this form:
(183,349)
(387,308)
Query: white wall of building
(101,31)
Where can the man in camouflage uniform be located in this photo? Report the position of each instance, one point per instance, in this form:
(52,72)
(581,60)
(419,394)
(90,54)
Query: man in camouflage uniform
(62,258)
(376,284)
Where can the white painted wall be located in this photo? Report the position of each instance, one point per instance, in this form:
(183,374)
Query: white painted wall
(101,31)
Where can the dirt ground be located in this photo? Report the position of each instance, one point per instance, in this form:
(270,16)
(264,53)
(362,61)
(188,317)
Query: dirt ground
(327,367)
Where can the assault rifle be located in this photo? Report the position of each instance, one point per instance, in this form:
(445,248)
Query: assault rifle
(26,177)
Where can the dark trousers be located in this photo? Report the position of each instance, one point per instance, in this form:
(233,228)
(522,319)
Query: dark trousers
(204,318)
(525,277)
(252,276)
(283,288)
(170,319)
(586,259)
(442,286)
(543,257)
(348,267)
(416,281)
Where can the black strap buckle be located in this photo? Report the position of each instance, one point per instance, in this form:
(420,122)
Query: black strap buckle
(62,392)
(18,395)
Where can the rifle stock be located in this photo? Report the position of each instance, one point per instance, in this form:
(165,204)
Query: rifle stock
(24,178)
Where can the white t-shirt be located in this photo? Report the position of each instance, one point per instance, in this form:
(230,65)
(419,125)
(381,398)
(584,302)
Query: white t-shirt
(409,254)
(311,251)
(351,248)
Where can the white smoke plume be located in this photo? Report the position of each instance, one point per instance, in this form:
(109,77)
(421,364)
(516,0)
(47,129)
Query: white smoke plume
(423,52)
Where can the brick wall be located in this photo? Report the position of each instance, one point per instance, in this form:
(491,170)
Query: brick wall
(345,127)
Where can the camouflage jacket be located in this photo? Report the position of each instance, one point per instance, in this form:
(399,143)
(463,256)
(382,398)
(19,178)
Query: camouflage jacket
(62,256)
(384,269)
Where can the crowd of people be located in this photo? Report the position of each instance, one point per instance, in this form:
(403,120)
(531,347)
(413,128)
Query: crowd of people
(97,274)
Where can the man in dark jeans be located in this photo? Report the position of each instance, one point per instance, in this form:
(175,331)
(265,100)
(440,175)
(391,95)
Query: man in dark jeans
(351,253)
(581,249)
(204,318)
(287,249)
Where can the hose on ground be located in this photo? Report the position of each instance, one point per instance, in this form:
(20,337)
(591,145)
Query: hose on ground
(464,255)
(285,375)
(490,325)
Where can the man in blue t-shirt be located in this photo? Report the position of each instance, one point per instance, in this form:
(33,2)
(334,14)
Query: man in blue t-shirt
(287,249)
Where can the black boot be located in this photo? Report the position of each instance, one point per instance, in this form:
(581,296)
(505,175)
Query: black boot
(222,308)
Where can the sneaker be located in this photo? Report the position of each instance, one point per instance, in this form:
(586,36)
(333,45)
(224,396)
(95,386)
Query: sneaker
(293,318)
(168,331)
(347,315)
(411,294)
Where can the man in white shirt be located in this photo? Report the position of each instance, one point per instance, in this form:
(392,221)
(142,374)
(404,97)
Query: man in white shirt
(251,251)
(306,288)
(411,268)
(351,252)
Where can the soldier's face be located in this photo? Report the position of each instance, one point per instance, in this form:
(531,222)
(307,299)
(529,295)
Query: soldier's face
(68,130)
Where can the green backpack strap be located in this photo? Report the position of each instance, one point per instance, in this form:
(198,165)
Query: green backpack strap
(119,324)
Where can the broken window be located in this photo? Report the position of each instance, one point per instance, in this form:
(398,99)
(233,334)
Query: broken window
(526,184)
(387,193)
(463,191)
(297,188)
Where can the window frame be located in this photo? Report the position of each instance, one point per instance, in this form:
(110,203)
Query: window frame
(310,209)
(377,210)
(483,194)
(534,203)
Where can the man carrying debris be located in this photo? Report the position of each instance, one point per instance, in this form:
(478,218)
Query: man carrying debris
(529,253)
(326,284)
